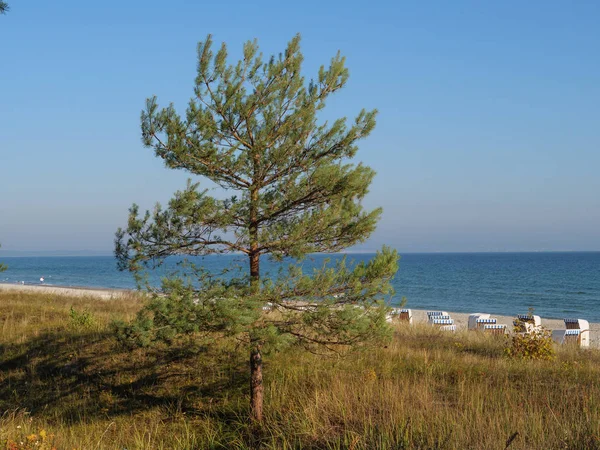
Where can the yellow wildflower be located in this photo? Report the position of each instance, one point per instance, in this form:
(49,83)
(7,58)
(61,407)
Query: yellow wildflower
(371,375)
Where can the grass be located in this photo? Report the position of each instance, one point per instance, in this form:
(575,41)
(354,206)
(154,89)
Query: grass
(64,383)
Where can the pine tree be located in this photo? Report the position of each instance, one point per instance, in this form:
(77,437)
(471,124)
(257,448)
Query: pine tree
(3,7)
(252,129)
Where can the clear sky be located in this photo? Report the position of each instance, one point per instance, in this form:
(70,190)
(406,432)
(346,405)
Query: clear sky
(488,137)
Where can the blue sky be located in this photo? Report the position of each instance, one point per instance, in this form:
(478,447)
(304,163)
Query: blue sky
(487,139)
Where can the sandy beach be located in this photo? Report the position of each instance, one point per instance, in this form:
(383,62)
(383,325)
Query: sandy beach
(102,293)
(461,320)
(419,316)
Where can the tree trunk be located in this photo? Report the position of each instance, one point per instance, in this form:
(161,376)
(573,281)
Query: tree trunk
(254,266)
(256,384)
(256,378)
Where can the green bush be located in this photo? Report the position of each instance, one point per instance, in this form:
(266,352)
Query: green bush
(534,345)
(83,319)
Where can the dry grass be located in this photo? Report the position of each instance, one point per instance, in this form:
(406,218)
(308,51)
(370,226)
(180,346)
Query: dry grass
(65,375)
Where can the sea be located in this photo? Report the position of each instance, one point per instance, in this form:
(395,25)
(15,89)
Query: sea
(555,285)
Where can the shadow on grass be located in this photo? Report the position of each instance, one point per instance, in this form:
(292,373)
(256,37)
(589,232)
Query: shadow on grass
(82,377)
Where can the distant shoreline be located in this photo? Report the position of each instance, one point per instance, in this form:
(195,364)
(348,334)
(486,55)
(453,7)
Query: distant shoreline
(6,254)
(419,316)
(73,291)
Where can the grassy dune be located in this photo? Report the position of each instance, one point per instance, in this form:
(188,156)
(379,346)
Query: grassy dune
(65,384)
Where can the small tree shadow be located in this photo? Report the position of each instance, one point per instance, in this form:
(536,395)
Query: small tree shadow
(82,377)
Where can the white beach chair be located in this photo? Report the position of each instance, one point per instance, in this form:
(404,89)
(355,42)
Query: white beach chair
(481,323)
(445,321)
(446,317)
(472,324)
(400,314)
(494,328)
(527,323)
(436,313)
(431,315)
(577,332)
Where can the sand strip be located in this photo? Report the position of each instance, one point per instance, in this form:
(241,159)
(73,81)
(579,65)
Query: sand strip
(105,294)
(461,321)
(419,316)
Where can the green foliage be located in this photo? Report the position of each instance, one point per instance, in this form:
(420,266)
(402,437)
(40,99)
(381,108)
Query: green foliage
(338,305)
(520,325)
(533,345)
(252,128)
(81,319)
(3,7)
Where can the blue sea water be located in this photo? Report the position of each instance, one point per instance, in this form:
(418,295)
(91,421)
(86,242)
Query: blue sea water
(556,285)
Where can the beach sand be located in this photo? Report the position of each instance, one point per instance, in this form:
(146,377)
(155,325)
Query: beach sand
(419,316)
(461,320)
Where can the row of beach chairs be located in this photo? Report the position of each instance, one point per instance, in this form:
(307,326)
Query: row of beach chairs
(439,319)
(577,331)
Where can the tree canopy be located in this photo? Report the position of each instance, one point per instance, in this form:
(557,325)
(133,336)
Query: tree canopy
(290,189)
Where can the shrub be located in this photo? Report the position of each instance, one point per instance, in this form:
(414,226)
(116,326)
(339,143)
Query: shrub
(83,319)
(534,345)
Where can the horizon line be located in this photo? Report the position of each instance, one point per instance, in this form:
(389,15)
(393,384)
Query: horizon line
(85,253)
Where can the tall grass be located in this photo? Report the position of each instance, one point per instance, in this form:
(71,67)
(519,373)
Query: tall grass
(62,372)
